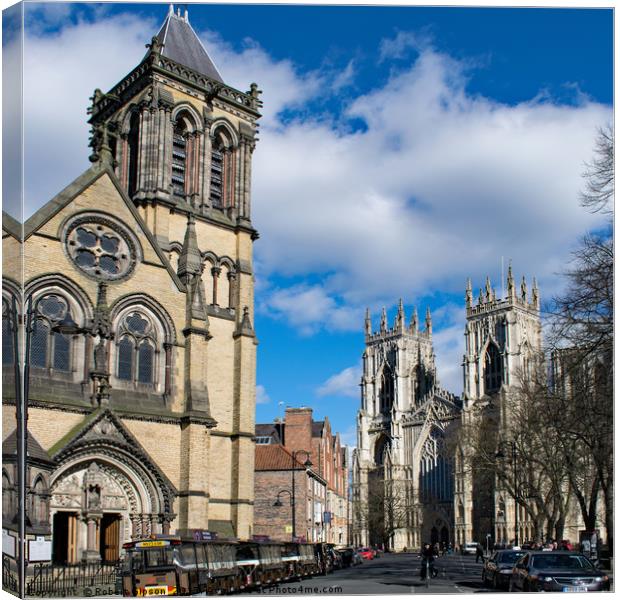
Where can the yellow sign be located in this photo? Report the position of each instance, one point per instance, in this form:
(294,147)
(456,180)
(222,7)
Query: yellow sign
(152,544)
(288,529)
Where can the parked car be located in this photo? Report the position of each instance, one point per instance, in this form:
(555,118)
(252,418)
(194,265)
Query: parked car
(498,569)
(559,571)
(470,548)
(346,555)
(366,553)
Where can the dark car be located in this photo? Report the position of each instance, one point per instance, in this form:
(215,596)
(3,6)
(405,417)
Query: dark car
(540,571)
(498,569)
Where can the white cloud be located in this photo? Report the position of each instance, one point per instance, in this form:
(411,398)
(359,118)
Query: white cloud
(437,185)
(262,397)
(345,383)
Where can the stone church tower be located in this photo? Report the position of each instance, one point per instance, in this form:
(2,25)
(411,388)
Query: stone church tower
(402,472)
(145,409)
(502,340)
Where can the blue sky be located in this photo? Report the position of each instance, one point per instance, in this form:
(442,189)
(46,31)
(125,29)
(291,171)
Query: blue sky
(402,150)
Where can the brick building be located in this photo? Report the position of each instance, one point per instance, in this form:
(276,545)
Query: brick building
(329,460)
(275,468)
(148,253)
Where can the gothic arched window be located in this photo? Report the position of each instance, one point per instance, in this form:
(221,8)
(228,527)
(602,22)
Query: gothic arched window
(493,371)
(221,169)
(48,349)
(37,510)
(386,391)
(7,498)
(136,349)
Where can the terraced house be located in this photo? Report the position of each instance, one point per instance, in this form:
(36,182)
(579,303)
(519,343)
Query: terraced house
(137,304)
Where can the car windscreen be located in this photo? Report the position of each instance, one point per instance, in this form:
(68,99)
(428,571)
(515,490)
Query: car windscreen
(570,562)
(509,557)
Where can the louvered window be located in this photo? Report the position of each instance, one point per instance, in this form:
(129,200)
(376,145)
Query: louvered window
(179,161)
(217,175)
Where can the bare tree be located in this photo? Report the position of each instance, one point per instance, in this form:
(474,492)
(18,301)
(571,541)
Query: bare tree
(599,174)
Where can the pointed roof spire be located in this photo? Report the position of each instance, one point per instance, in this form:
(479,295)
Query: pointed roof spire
(468,293)
(182,45)
(414,320)
(480,297)
(383,319)
(190,260)
(368,323)
(429,322)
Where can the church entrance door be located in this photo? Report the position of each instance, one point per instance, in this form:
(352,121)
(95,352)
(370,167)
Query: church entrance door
(445,536)
(434,535)
(64,536)
(110,538)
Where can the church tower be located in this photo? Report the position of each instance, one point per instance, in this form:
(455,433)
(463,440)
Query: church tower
(402,477)
(138,289)
(502,344)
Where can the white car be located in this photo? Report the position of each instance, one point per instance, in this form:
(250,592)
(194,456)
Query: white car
(470,548)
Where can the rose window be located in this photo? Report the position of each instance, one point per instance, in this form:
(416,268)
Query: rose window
(100,249)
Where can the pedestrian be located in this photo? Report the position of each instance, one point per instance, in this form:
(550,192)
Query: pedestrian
(428,556)
(479,553)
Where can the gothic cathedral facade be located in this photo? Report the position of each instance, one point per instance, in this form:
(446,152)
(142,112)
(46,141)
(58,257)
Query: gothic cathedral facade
(414,477)
(137,306)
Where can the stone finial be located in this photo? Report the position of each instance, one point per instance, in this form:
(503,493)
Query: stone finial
(480,297)
(468,293)
(155,46)
(510,282)
(368,323)
(523,290)
(429,322)
(190,260)
(171,10)
(535,294)
(383,320)
(414,321)
(400,315)
(488,290)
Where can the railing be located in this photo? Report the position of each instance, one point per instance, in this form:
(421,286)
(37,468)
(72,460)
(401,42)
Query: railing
(83,579)
(9,574)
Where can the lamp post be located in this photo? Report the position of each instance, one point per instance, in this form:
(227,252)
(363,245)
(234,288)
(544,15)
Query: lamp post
(278,502)
(500,454)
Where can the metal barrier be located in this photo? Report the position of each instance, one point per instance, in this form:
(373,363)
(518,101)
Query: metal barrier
(82,579)
(9,574)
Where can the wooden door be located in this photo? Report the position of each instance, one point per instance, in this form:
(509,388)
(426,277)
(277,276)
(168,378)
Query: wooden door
(72,523)
(110,537)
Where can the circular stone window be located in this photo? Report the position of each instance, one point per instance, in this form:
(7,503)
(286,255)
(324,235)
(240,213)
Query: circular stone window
(101,247)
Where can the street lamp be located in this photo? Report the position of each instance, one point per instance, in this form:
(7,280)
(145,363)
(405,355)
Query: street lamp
(500,455)
(307,464)
(278,502)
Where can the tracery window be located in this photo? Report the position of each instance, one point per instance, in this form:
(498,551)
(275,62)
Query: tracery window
(493,371)
(136,349)
(38,502)
(49,349)
(436,481)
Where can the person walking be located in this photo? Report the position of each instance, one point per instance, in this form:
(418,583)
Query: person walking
(479,553)
(428,557)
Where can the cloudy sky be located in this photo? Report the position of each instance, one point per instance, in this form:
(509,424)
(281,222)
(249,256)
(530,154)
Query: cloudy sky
(402,150)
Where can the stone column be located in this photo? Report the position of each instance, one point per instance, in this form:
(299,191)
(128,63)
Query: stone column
(232,280)
(215,271)
(92,551)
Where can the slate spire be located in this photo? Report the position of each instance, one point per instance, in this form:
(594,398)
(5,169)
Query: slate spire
(178,41)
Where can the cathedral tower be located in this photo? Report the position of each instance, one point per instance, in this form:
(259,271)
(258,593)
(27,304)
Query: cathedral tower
(502,344)
(402,477)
